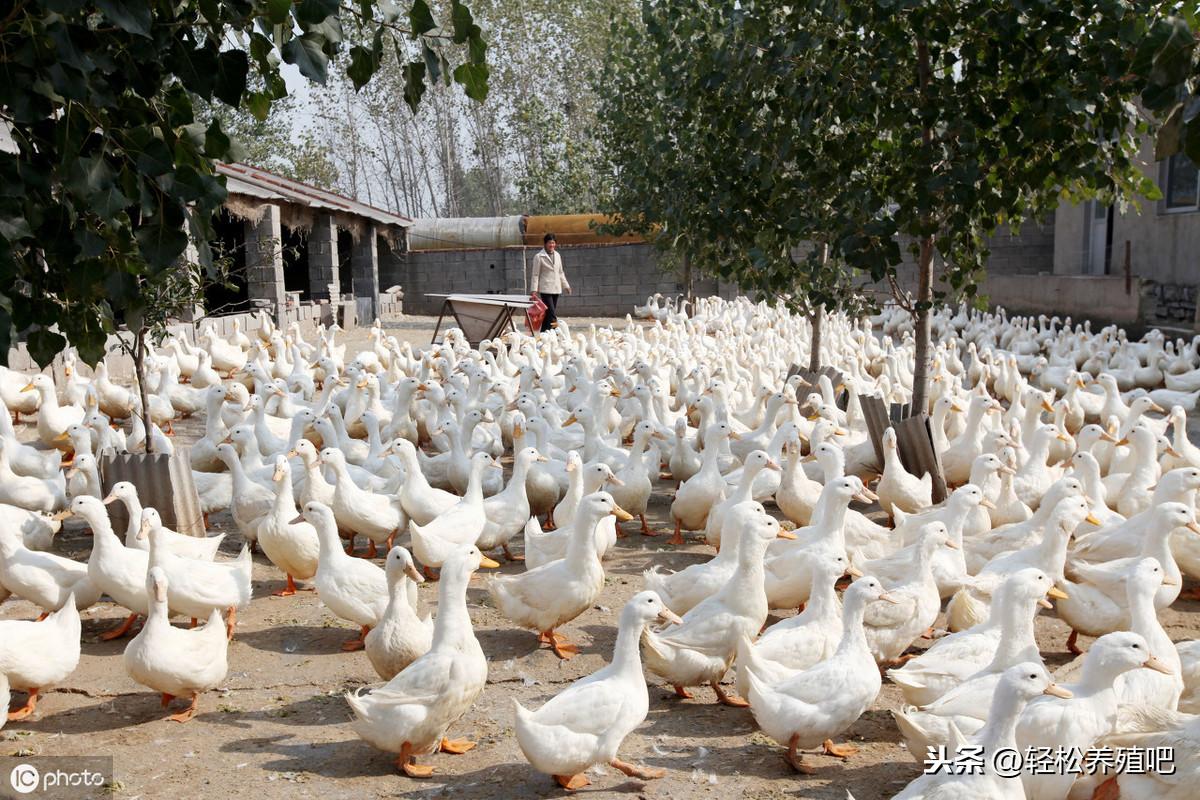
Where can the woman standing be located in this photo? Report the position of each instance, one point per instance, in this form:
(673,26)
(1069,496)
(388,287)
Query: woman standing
(548,280)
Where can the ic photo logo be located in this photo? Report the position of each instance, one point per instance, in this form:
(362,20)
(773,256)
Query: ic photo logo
(25,778)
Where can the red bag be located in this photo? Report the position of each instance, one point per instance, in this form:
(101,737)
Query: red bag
(535,314)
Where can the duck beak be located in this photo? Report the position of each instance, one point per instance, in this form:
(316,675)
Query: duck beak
(785,534)
(1155,407)
(615,481)
(1044,603)
(277,476)
(143,531)
(1092,520)
(956,407)
(887,598)
(667,615)
(299,518)
(987,504)
(1193,527)
(1007,470)
(66,513)
(29,387)
(110,499)
(1057,593)
(484,561)
(735,435)
(951,545)
(773,465)
(569,421)
(1122,442)
(866,496)
(1047,407)
(1168,581)
(853,571)
(411,571)
(1062,437)
(1158,666)
(62,437)
(807,458)
(1171,451)
(1054,690)
(621,514)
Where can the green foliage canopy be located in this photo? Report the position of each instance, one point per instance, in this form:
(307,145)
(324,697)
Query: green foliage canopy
(113,169)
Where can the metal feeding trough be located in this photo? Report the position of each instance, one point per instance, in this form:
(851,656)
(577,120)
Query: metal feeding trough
(164,483)
(914,439)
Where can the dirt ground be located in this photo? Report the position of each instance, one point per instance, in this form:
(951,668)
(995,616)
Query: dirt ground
(279,727)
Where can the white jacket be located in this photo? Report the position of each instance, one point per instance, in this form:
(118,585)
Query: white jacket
(548,275)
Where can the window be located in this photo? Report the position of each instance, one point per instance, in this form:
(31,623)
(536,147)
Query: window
(1183,184)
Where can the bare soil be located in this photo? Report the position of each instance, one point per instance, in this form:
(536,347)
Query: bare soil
(279,727)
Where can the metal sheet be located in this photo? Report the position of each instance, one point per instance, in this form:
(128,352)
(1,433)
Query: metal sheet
(914,442)
(163,483)
(571,229)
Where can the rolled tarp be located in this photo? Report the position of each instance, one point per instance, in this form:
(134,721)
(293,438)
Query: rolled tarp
(464,233)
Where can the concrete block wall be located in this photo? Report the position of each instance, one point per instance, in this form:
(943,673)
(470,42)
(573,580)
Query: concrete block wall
(607,280)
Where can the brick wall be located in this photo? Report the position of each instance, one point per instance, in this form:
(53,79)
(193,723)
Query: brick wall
(606,280)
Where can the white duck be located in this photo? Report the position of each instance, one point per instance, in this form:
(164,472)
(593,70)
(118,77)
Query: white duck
(798,642)
(175,661)
(401,637)
(44,579)
(203,548)
(810,707)
(411,713)
(352,588)
(460,524)
(1078,721)
(36,655)
(700,650)
(551,595)
(897,488)
(506,513)
(697,495)
(586,723)
(1018,685)
(199,587)
(291,546)
(682,590)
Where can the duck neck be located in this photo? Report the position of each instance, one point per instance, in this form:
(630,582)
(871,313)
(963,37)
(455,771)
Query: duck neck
(854,638)
(474,493)
(823,599)
(1142,616)
(1000,732)
(285,503)
(133,507)
(453,623)
(581,548)
(627,657)
(1017,642)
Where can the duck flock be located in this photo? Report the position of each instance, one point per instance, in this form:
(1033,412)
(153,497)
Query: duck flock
(1072,486)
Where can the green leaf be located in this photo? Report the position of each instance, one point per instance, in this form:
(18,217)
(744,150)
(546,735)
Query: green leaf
(464,24)
(161,243)
(1170,136)
(133,16)
(433,62)
(363,64)
(474,80)
(312,12)
(155,158)
(278,11)
(14,228)
(216,141)
(420,18)
(306,52)
(258,104)
(414,84)
(232,68)
(44,344)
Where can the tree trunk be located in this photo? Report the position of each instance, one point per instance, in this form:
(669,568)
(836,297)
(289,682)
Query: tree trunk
(922,330)
(689,288)
(922,326)
(817,318)
(139,368)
